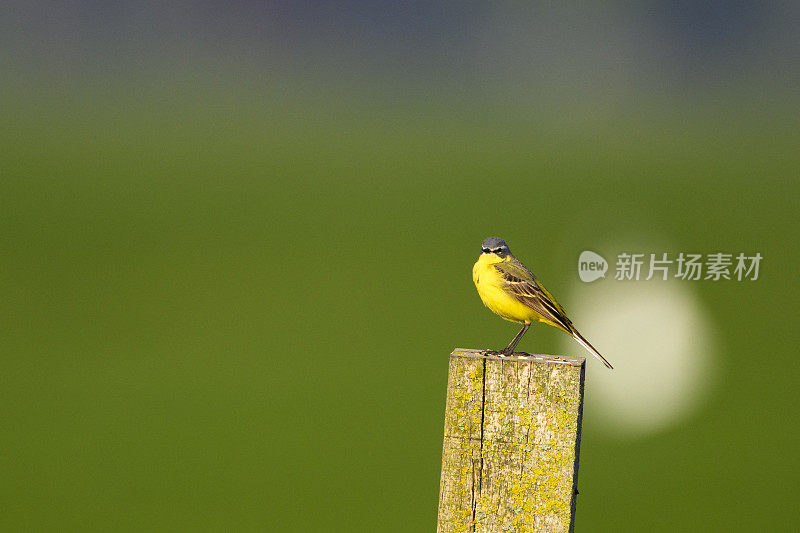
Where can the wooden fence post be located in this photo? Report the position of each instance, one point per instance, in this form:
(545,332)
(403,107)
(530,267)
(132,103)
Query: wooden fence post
(511,443)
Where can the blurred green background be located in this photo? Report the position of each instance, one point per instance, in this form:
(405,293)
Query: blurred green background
(232,272)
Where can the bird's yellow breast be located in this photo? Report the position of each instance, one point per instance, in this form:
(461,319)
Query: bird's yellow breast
(490,285)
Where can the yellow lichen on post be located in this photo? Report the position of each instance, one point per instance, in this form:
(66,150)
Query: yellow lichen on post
(462,452)
(511,442)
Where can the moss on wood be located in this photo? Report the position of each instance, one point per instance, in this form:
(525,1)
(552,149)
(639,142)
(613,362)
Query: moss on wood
(511,440)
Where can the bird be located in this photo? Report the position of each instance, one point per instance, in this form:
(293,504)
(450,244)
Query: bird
(511,291)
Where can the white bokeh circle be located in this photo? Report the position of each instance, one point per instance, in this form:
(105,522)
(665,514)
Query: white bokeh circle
(658,337)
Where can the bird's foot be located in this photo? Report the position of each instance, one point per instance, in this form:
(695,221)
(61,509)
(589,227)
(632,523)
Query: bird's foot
(498,353)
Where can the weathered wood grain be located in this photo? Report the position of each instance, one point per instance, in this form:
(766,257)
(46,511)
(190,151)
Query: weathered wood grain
(511,443)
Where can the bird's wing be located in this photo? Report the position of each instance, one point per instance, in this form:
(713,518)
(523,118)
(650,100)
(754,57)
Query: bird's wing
(523,285)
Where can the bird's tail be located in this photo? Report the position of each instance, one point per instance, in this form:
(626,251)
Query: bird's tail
(578,337)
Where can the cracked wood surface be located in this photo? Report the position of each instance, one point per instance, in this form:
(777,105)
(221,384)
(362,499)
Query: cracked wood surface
(511,443)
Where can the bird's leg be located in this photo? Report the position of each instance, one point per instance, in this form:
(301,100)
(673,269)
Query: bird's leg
(513,344)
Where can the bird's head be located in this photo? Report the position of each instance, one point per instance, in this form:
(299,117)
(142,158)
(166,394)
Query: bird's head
(496,246)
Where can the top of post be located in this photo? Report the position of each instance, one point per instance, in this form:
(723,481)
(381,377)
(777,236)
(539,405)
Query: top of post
(519,357)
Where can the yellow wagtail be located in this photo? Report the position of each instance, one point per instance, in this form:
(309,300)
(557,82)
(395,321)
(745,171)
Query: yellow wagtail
(513,292)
